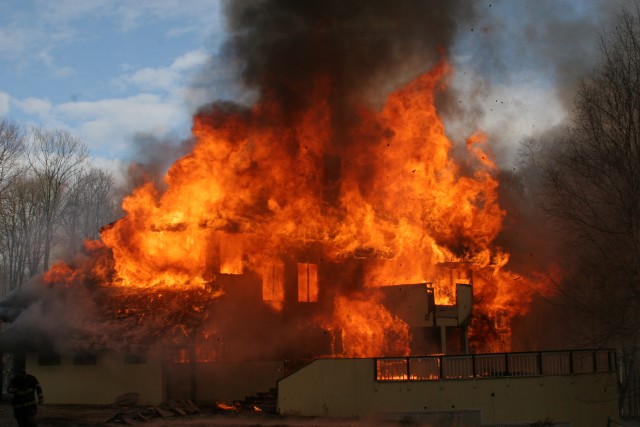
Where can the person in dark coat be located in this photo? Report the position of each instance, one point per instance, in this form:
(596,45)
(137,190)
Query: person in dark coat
(25,388)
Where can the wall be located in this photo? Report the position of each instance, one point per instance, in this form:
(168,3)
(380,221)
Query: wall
(218,382)
(110,377)
(98,384)
(347,388)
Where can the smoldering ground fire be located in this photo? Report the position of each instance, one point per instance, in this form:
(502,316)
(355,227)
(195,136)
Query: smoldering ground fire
(292,211)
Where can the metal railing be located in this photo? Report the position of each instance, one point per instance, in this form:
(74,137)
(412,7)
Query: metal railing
(495,365)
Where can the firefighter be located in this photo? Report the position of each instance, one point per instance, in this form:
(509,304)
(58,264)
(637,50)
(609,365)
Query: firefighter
(25,387)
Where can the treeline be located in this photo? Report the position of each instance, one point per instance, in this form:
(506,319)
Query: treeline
(52,198)
(577,199)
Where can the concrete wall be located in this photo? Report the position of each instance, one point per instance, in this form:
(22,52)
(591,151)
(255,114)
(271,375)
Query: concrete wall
(99,384)
(224,382)
(347,388)
(68,383)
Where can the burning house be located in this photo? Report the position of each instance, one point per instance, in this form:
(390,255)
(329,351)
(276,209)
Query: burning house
(163,342)
(325,221)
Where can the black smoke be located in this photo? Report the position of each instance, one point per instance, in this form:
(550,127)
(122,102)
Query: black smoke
(283,46)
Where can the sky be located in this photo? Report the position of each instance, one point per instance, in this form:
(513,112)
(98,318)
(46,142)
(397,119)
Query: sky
(113,72)
(106,70)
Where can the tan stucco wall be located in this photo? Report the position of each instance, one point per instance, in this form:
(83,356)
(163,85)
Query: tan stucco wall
(346,388)
(98,384)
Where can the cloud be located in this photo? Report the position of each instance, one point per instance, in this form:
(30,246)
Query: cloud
(38,29)
(109,125)
(35,106)
(4,103)
(165,78)
(158,107)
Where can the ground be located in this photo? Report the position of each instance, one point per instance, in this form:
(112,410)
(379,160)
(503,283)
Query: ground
(84,415)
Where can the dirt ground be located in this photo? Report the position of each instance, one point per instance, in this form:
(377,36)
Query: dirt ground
(81,415)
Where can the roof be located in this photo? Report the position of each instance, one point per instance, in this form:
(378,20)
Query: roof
(106,317)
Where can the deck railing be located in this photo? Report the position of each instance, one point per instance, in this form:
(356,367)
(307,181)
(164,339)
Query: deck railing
(495,365)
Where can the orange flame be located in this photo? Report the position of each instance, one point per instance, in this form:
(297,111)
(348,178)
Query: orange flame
(368,329)
(400,195)
(379,186)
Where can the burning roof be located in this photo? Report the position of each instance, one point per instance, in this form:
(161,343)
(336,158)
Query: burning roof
(101,318)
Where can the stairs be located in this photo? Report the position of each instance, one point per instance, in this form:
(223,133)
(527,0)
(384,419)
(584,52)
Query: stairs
(260,402)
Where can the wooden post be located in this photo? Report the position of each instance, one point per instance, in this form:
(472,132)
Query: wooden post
(443,339)
(193,371)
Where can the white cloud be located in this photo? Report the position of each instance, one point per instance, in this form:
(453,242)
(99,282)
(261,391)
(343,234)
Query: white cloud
(190,60)
(165,78)
(109,125)
(35,106)
(149,79)
(4,103)
(34,32)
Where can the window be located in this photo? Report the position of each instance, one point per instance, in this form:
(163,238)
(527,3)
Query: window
(273,282)
(307,282)
(131,358)
(48,357)
(85,358)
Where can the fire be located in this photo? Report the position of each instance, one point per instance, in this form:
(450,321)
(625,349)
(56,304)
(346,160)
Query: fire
(226,407)
(380,186)
(398,194)
(369,329)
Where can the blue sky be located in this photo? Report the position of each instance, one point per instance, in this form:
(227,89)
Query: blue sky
(108,70)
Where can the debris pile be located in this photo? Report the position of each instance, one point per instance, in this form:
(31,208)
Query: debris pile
(168,409)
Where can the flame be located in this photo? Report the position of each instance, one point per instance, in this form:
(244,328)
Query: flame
(379,186)
(227,407)
(368,329)
(400,195)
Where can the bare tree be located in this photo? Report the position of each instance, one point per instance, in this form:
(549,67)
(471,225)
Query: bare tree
(593,182)
(592,191)
(90,204)
(22,228)
(56,158)
(11,149)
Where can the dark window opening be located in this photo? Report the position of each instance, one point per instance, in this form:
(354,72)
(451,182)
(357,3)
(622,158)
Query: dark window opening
(135,359)
(85,358)
(48,358)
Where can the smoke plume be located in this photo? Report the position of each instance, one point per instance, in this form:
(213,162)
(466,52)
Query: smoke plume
(284,46)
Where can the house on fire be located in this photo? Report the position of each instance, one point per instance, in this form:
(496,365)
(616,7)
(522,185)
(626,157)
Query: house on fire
(226,341)
(234,337)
